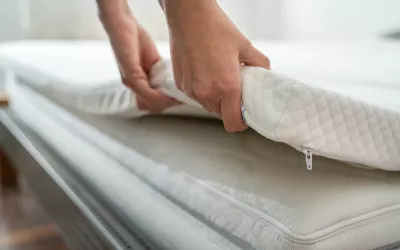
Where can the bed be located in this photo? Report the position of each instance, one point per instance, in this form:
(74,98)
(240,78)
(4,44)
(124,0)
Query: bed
(173,182)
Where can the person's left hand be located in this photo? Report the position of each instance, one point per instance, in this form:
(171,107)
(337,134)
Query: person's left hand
(136,54)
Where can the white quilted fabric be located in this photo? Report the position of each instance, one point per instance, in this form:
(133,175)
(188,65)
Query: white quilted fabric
(210,196)
(324,120)
(328,123)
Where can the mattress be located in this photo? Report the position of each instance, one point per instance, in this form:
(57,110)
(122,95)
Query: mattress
(184,183)
(345,109)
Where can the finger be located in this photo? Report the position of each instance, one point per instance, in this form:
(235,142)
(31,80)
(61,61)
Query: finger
(231,112)
(176,66)
(138,81)
(154,108)
(253,57)
(209,102)
(141,104)
(148,51)
(214,107)
(160,102)
(155,101)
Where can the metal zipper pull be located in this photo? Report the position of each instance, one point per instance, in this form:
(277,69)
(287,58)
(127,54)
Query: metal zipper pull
(242,109)
(308,153)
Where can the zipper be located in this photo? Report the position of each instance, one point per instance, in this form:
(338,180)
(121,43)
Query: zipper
(242,110)
(306,151)
(308,154)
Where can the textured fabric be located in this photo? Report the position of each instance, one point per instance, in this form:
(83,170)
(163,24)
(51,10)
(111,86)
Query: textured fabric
(204,193)
(147,209)
(317,119)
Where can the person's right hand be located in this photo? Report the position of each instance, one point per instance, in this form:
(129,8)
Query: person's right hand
(135,52)
(207,52)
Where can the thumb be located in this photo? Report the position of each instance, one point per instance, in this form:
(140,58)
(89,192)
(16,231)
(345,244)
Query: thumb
(136,79)
(154,100)
(253,57)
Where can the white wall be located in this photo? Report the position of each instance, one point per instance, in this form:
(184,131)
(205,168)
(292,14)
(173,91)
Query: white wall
(10,22)
(258,19)
(339,19)
(64,19)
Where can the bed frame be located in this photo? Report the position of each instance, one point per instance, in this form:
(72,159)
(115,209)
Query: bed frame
(84,221)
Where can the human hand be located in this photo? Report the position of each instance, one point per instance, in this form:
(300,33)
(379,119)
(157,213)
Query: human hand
(136,53)
(207,51)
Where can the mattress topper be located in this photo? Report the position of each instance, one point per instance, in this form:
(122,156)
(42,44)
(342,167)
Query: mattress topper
(346,109)
(260,198)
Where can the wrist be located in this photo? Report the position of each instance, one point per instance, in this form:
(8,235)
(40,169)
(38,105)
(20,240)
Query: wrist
(111,11)
(177,12)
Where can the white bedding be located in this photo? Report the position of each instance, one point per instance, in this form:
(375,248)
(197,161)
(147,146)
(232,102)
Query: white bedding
(347,109)
(183,182)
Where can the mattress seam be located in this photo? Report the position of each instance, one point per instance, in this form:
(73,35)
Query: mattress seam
(395,208)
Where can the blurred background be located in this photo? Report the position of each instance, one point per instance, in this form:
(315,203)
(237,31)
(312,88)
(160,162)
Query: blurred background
(258,19)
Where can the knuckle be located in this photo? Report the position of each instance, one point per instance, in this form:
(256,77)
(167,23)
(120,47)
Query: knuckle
(125,81)
(224,85)
(179,85)
(204,90)
(246,46)
(228,83)
(231,88)
(133,76)
(137,74)
(191,94)
(202,94)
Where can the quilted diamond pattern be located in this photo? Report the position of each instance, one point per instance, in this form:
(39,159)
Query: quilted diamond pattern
(279,108)
(339,127)
(331,124)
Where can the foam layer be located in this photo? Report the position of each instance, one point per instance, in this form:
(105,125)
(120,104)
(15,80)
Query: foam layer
(333,118)
(262,198)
